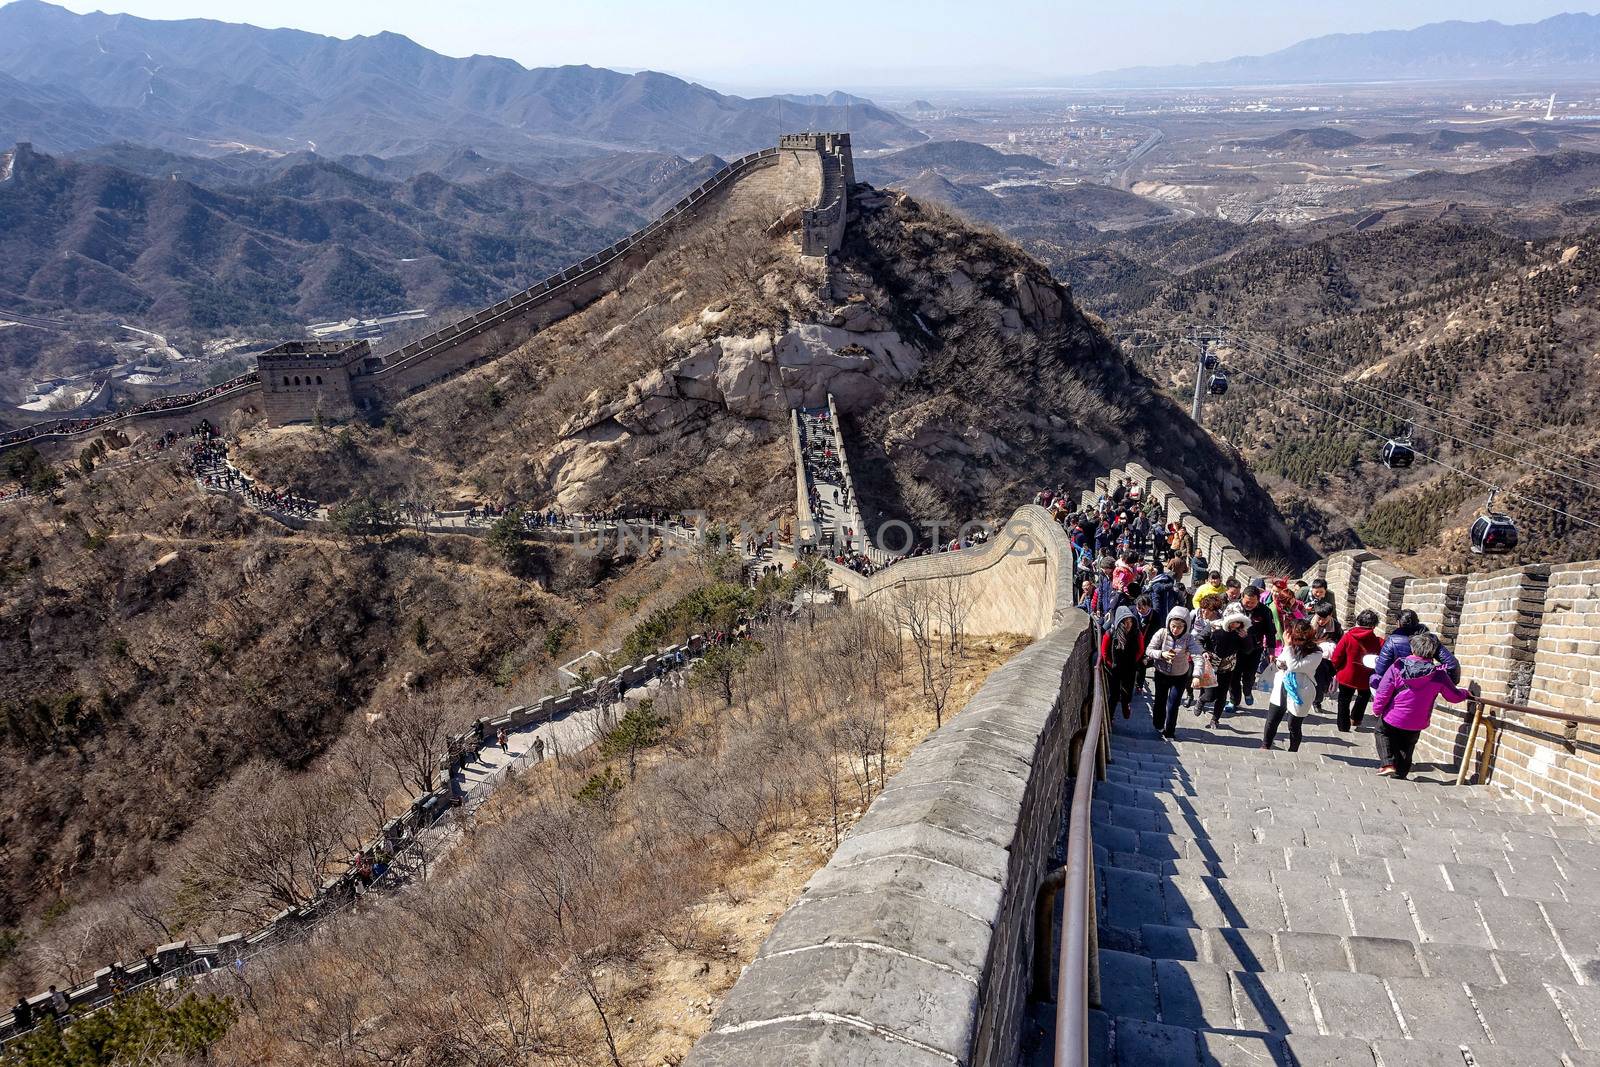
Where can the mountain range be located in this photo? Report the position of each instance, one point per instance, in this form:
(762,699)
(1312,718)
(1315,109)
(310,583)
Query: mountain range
(1560,47)
(313,239)
(202,87)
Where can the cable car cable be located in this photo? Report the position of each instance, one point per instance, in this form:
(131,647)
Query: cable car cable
(1423,455)
(1323,379)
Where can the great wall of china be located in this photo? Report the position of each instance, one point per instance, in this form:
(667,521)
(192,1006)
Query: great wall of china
(299,381)
(915,944)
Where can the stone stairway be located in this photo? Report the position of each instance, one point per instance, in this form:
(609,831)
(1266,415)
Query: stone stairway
(1295,908)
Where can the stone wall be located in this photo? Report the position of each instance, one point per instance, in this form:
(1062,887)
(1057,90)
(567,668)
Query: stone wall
(1176,503)
(337,893)
(1019,582)
(805,529)
(219,407)
(1527,635)
(912,946)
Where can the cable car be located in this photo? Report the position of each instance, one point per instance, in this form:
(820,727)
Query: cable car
(1398,454)
(1493,533)
(1209,360)
(1218,384)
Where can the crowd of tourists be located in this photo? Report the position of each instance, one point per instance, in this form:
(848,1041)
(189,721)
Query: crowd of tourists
(1172,627)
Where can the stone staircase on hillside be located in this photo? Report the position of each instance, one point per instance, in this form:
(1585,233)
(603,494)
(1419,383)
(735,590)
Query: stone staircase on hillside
(1276,908)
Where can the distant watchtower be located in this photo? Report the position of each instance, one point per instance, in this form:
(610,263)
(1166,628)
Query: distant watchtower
(301,380)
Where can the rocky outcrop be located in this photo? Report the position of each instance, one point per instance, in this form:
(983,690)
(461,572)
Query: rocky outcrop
(853,355)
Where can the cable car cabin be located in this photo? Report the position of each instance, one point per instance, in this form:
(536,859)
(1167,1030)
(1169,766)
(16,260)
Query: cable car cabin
(1218,384)
(1493,534)
(1209,360)
(1397,455)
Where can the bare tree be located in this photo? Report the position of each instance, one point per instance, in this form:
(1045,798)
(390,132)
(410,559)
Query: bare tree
(412,729)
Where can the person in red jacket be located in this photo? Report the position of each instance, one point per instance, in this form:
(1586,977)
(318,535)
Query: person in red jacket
(1352,673)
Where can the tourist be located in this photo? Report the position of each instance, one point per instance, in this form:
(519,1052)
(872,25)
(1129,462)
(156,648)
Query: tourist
(59,1005)
(1121,648)
(1163,592)
(1086,596)
(1294,685)
(1200,570)
(1350,669)
(22,1016)
(1226,645)
(1326,631)
(1149,621)
(1212,587)
(1398,646)
(1173,653)
(1260,637)
(1404,699)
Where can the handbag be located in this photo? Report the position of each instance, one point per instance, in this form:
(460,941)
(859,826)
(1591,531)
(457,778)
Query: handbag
(1205,673)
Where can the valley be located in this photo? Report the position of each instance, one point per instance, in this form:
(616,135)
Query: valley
(533,564)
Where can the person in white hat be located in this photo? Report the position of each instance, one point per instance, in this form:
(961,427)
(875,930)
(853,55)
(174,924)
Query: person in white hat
(1227,644)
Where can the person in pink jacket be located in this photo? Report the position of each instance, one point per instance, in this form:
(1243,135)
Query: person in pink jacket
(1404,702)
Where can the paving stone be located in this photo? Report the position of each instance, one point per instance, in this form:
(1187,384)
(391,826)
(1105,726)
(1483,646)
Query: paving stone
(1298,951)
(1246,903)
(1419,875)
(1578,926)
(1196,995)
(1132,899)
(1450,918)
(1243,949)
(810,1043)
(1472,879)
(1128,986)
(906,997)
(1517,925)
(1272,1002)
(1500,1056)
(1520,842)
(1316,911)
(1419,1054)
(1239,1050)
(1522,1017)
(1436,1009)
(1385,957)
(1190,902)
(1147,1044)
(1309,1050)
(1581,1005)
(1529,968)
(1381,912)
(1173,942)
(1458,963)
(1355,1005)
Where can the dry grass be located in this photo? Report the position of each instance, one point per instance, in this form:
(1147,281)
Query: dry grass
(605,929)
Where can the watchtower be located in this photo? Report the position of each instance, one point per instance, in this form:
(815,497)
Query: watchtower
(302,380)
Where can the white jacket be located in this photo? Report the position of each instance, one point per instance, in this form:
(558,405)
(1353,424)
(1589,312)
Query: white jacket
(1304,669)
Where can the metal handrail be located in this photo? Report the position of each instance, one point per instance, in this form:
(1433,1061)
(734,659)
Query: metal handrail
(1078,981)
(1485,725)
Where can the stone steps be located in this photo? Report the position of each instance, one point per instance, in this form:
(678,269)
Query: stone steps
(1295,908)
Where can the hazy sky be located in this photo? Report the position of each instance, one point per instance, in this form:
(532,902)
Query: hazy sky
(759,44)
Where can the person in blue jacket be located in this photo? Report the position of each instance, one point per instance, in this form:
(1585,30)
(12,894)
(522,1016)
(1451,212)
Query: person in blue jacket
(1397,646)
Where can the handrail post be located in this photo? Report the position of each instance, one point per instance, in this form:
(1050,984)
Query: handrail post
(1475,707)
(1044,914)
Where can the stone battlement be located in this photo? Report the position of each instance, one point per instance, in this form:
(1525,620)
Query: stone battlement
(810,171)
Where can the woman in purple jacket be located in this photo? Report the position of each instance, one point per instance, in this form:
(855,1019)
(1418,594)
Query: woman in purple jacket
(1404,702)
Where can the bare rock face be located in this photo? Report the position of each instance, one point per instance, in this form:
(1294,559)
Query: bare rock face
(754,380)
